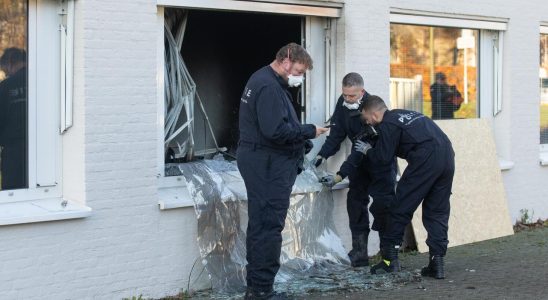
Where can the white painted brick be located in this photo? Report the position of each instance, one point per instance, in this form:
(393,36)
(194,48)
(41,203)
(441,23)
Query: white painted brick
(128,247)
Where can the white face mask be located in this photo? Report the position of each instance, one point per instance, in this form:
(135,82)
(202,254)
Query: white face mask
(295,81)
(353,106)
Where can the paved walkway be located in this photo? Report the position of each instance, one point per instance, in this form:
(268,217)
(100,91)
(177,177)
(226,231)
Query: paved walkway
(514,267)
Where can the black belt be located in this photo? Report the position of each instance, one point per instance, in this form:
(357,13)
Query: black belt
(288,152)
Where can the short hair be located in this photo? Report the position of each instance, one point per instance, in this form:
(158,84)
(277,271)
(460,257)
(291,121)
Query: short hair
(295,53)
(440,76)
(374,103)
(352,79)
(12,56)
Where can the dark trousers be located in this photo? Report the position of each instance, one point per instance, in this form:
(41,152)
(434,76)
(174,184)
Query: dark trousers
(14,165)
(375,180)
(383,191)
(357,201)
(269,178)
(428,176)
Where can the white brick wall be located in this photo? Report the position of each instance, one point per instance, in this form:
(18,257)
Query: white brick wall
(128,247)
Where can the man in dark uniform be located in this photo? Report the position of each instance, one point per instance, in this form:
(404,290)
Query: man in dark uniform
(428,176)
(271,146)
(365,177)
(442,96)
(13,119)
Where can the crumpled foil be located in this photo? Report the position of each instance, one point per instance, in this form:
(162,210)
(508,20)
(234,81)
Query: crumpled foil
(310,241)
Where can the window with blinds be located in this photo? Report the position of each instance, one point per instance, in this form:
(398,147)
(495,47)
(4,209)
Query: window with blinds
(543,82)
(434,70)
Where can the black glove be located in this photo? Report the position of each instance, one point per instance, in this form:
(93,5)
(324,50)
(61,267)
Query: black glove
(317,161)
(330,180)
(308,145)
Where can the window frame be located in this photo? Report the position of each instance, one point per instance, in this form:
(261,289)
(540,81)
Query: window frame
(44,141)
(493,106)
(172,191)
(543,148)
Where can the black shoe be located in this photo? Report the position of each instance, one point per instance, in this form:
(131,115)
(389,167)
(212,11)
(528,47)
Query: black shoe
(358,255)
(388,266)
(389,262)
(252,294)
(435,267)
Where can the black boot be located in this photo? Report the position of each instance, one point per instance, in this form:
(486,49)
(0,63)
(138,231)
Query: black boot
(435,267)
(389,262)
(358,255)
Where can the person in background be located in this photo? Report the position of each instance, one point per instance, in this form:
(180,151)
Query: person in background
(446,99)
(13,119)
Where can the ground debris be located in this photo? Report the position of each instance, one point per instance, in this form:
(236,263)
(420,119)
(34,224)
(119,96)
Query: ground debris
(336,282)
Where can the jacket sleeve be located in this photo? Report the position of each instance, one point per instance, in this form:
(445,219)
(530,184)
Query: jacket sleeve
(352,162)
(274,122)
(387,143)
(336,135)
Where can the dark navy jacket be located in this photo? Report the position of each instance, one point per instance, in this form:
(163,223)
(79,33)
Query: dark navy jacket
(402,132)
(346,123)
(13,108)
(267,117)
(442,107)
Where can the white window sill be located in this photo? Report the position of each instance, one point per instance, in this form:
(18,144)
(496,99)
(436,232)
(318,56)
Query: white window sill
(42,210)
(505,164)
(172,192)
(543,158)
(174,197)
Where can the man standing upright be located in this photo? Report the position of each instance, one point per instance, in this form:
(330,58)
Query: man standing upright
(271,146)
(366,177)
(446,99)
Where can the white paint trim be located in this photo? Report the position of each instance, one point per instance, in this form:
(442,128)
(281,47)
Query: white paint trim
(275,8)
(160,94)
(320,3)
(446,21)
(67,60)
(32,53)
(544,29)
(43,210)
(505,164)
(543,158)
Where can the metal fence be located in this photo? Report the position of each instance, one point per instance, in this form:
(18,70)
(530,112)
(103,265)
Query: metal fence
(406,93)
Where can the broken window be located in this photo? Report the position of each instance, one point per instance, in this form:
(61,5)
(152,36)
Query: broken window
(209,57)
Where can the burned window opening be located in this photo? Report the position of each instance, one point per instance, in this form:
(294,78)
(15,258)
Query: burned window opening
(220,51)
